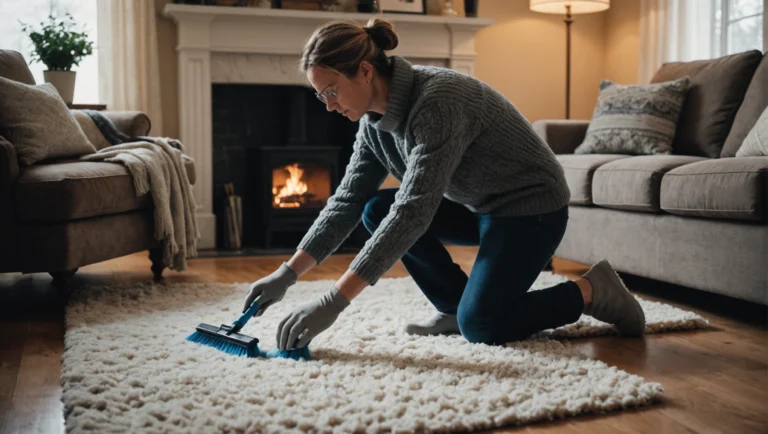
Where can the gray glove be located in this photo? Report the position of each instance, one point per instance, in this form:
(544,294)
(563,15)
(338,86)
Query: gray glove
(309,320)
(270,289)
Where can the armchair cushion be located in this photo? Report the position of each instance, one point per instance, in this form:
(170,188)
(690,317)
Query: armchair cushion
(38,123)
(14,67)
(70,190)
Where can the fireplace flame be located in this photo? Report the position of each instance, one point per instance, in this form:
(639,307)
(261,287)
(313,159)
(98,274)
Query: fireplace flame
(293,187)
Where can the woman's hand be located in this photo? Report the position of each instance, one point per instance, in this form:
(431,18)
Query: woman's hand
(270,289)
(309,320)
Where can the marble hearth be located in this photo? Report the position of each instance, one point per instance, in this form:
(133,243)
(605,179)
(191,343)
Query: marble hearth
(218,44)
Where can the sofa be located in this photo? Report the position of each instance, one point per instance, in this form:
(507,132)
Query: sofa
(696,217)
(59,215)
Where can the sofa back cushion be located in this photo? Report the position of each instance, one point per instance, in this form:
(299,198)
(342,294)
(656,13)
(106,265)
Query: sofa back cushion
(717,91)
(13,67)
(755,101)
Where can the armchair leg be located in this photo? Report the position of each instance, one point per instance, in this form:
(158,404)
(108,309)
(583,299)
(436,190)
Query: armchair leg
(156,256)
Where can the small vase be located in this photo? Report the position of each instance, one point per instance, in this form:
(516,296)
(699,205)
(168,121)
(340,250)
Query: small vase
(63,81)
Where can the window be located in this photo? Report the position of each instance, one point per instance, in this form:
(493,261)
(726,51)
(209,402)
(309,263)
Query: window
(737,26)
(33,12)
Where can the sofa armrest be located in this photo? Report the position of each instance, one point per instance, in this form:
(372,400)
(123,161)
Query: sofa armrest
(9,172)
(132,123)
(562,135)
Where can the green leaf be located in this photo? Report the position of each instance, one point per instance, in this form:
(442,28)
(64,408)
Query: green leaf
(58,43)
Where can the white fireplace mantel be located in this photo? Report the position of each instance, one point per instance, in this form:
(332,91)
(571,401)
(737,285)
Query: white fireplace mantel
(220,44)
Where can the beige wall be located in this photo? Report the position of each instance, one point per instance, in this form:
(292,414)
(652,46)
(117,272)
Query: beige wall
(522,55)
(622,46)
(166,39)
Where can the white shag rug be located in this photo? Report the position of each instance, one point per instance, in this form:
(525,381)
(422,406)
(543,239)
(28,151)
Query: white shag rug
(128,368)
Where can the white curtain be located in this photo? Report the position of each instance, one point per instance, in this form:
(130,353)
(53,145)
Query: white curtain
(673,30)
(128,58)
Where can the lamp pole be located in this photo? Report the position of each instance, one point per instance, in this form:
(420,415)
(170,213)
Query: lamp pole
(568,21)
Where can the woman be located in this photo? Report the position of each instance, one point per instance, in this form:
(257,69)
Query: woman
(472,172)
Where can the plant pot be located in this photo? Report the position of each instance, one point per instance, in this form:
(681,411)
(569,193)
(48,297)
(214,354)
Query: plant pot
(63,81)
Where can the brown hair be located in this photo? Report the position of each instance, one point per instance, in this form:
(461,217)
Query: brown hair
(342,46)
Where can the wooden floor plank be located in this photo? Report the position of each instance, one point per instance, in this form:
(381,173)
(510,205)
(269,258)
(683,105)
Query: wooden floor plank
(714,380)
(13,333)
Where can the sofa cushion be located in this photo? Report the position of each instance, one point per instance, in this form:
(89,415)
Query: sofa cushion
(727,188)
(635,119)
(755,101)
(717,91)
(72,190)
(578,173)
(633,183)
(756,142)
(14,67)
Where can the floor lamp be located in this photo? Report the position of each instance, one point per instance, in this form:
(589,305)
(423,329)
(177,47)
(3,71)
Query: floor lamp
(569,8)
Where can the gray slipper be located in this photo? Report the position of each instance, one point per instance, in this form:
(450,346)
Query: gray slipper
(440,324)
(612,302)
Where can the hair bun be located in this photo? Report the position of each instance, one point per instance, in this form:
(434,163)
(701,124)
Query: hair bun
(382,34)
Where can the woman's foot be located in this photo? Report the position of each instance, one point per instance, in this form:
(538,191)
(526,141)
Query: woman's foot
(440,324)
(611,301)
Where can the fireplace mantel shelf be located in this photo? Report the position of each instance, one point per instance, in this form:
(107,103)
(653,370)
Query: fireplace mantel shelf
(177,11)
(224,44)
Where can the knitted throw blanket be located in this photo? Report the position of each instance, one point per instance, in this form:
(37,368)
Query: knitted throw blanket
(157,167)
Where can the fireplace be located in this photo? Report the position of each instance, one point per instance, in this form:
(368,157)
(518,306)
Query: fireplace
(284,153)
(297,180)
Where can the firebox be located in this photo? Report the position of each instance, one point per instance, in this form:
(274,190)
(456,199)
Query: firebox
(285,155)
(297,180)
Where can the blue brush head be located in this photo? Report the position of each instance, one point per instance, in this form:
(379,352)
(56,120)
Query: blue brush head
(224,346)
(295,354)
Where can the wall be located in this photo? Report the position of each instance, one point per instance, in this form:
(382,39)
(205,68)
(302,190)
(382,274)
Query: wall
(522,55)
(166,40)
(622,41)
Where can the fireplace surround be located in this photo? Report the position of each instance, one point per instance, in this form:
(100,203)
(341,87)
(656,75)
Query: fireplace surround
(220,44)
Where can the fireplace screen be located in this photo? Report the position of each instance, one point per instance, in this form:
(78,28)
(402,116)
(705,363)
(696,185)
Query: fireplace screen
(301,185)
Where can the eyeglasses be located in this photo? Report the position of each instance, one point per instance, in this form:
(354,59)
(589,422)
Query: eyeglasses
(323,96)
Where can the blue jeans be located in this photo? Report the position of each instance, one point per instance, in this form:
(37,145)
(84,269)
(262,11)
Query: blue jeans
(493,304)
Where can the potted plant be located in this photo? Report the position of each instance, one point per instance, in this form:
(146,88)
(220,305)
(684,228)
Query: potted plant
(60,46)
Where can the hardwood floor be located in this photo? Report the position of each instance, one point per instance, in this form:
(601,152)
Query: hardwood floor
(714,380)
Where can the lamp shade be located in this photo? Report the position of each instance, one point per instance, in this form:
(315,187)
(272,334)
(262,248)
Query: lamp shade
(577,6)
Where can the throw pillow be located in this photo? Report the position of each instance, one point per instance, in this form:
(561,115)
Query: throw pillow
(756,143)
(635,119)
(38,123)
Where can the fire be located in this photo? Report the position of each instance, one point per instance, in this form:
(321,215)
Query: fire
(293,187)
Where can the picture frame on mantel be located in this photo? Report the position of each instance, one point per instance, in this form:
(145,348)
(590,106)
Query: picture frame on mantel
(417,7)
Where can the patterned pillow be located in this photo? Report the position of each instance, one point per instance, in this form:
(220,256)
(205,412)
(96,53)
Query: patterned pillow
(756,142)
(635,119)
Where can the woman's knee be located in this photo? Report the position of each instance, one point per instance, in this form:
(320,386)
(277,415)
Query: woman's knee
(377,208)
(479,328)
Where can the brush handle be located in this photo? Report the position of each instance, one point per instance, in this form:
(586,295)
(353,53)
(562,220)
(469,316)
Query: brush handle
(240,322)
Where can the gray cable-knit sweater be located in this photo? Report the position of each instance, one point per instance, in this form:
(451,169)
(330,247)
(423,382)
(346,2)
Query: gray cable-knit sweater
(444,134)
